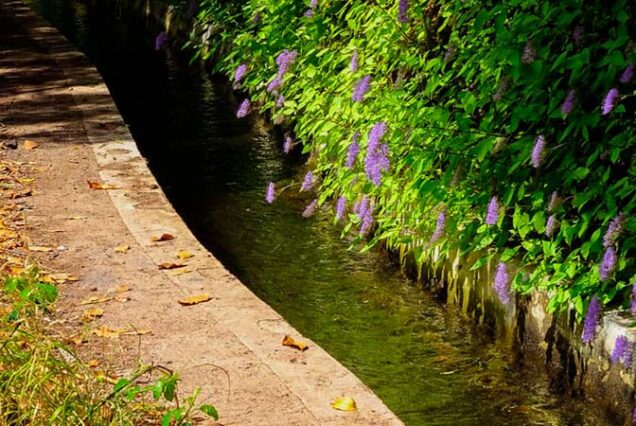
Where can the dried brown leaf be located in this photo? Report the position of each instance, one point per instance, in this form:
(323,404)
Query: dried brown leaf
(193,300)
(97,185)
(162,237)
(289,341)
(171,265)
(30,145)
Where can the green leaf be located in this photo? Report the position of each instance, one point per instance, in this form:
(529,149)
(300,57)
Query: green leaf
(210,410)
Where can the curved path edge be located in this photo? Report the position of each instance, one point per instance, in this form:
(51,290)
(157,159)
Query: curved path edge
(235,331)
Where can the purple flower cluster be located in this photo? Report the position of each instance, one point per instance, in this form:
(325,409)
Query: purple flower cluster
(287,144)
(439,228)
(614,230)
(623,350)
(632,306)
(341,206)
(627,75)
(161,40)
(608,264)
(554,201)
(377,157)
(309,13)
(244,109)
(550,226)
(492,215)
(501,283)
(361,89)
(353,66)
(364,210)
(403,9)
(240,72)
(284,61)
(308,182)
(529,54)
(354,149)
(568,103)
(270,195)
(609,102)
(280,101)
(537,151)
(592,318)
(312,5)
(311,208)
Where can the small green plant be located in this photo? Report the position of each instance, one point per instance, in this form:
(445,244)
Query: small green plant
(43,382)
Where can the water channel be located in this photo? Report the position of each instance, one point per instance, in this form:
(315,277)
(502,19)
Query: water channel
(427,363)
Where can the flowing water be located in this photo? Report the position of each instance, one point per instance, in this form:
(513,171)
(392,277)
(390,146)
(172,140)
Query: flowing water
(429,365)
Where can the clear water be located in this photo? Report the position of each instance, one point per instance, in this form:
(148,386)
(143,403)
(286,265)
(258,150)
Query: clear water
(429,365)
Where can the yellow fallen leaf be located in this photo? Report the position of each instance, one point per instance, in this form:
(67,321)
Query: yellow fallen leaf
(289,341)
(40,248)
(92,313)
(122,249)
(61,278)
(93,363)
(26,181)
(96,299)
(162,237)
(193,300)
(170,265)
(345,403)
(76,340)
(108,332)
(97,185)
(184,255)
(30,145)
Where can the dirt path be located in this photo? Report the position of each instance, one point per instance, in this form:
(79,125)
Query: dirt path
(51,95)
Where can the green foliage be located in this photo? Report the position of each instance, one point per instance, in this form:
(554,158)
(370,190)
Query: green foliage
(42,382)
(465,87)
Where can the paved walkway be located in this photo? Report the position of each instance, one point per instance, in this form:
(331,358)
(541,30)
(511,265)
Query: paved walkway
(229,346)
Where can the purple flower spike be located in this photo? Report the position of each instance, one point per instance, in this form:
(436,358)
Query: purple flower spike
(308,182)
(550,226)
(622,352)
(614,230)
(364,209)
(361,89)
(240,72)
(244,109)
(592,318)
(502,283)
(313,4)
(354,62)
(608,264)
(568,103)
(309,13)
(627,75)
(341,205)
(288,144)
(492,216)
(439,228)
(537,151)
(377,158)
(284,61)
(403,9)
(554,201)
(280,101)
(610,101)
(529,54)
(352,152)
(270,195)
(161,40)
(632,307)
(311,208)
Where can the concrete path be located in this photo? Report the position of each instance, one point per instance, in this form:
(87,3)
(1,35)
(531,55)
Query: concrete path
(229,346)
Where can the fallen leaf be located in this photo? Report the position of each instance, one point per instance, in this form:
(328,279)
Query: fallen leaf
(162,237)
(61,278)
(76,218)
(122,288)
(96,299)
(193,300)
(76,340)
(92,313)
(122,249)
(26,181)
(289,341)
(97,185)
(105,331)
(40,248)
(170,265)
(30,145)
(345,403)
(93,363)
(184,255)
